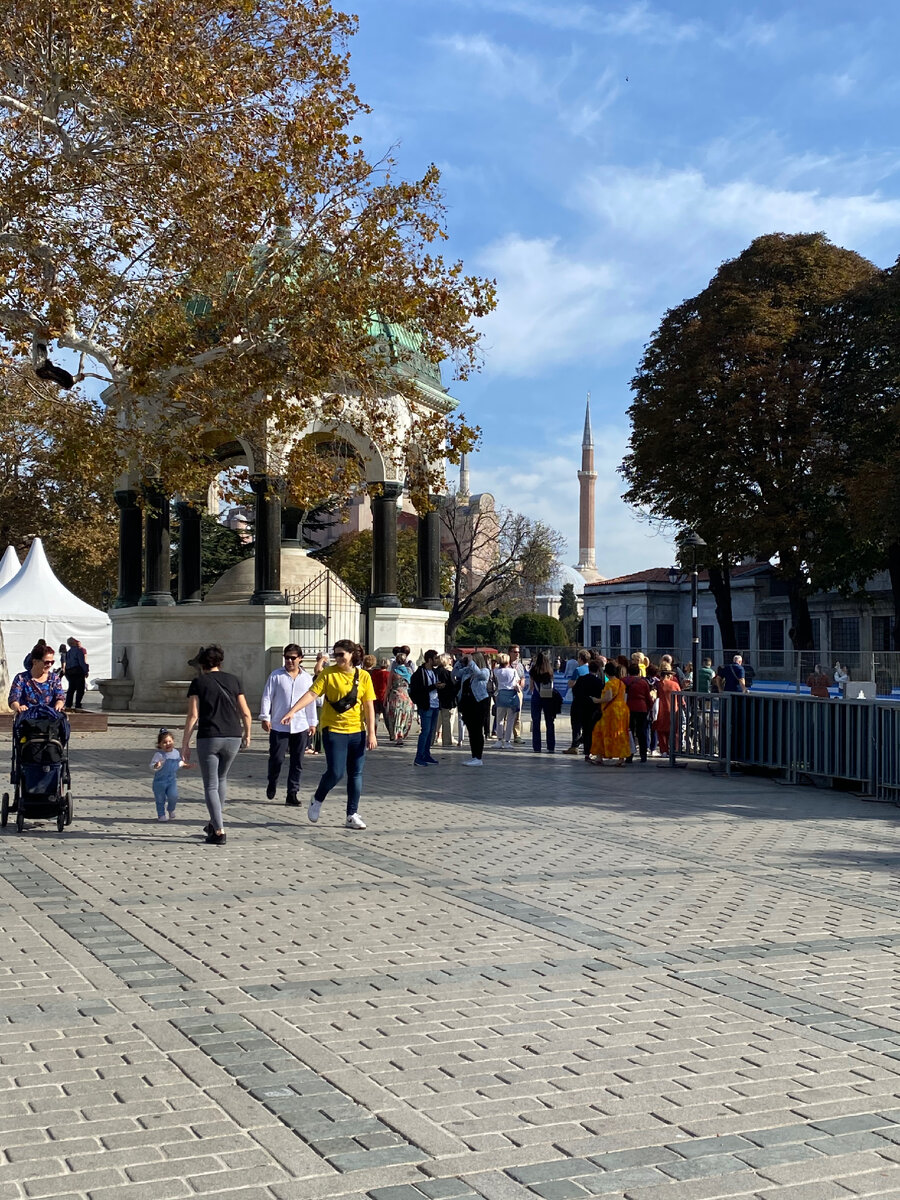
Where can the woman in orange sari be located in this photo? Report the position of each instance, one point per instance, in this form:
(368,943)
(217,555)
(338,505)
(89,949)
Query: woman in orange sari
(611,738)
(664,689)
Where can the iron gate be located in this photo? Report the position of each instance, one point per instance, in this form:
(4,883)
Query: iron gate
(323,612)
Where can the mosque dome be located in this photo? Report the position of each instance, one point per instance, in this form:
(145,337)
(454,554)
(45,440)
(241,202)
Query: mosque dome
(565,575)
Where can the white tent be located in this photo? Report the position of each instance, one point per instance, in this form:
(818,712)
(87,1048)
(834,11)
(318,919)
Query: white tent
(34,605)
(9,566)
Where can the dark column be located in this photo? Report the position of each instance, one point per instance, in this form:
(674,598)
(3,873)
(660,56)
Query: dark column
(430,557)
(131,545)
(190,571)
(384,547)
(157,567)
(267,554)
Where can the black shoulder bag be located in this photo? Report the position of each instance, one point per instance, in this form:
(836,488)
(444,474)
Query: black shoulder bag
(345,703)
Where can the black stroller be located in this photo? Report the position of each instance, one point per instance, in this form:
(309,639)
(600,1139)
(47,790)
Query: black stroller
(40,769)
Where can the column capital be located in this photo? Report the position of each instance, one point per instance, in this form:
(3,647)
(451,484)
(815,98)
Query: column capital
(390,490)
(127,497)
(267,485)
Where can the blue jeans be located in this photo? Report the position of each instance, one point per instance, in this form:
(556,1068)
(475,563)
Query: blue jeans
(165,793)
(428,718)
(345,754)
(547,708)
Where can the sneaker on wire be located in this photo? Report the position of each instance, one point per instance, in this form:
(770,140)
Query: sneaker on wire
(315,807)
(355,822)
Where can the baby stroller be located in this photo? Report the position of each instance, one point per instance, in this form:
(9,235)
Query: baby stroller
(40,769)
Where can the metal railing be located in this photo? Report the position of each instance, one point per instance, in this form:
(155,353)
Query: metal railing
(853,740)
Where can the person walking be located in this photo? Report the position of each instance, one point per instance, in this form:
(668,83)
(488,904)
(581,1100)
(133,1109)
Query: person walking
(474,703)
(543,702)
(735,680)
(218,709)
(508,687)
(425,692)
(381,677)
(282,688)
(348,727)
(705,676)
(165,765)
(76,671)
(398,707)
(39,683)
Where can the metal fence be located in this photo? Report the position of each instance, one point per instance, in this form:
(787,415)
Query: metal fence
(850,740)
(322,613)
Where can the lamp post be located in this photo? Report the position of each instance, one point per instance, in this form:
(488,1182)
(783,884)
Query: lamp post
(695,543)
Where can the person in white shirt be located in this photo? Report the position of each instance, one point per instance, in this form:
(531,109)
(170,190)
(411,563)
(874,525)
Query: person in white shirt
(283,688)
(518,666)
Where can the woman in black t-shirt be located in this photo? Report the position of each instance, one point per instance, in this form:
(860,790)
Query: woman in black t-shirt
(216,705)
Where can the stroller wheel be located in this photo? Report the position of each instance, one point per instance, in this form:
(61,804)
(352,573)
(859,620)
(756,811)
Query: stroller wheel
(70,808)
(4,810)
(61,821)
(20,817)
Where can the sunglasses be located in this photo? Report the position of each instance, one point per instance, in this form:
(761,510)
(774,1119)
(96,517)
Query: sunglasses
(291,657)
(48,661)
(340,654)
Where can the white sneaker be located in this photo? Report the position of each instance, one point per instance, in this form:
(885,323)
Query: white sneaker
(315,807)
(355,822)
(162,816)
(473,762)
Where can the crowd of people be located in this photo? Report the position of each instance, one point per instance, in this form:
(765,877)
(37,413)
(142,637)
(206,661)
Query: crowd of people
(620,712)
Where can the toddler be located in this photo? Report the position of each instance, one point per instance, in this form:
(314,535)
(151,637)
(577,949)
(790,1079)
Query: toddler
(164,764)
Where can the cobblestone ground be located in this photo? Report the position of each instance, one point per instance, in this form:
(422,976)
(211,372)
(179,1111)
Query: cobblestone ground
(535,980)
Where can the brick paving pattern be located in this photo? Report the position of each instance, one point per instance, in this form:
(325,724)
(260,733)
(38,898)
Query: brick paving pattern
(537,980)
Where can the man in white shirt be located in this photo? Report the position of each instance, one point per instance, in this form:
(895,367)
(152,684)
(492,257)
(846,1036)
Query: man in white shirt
(283,689)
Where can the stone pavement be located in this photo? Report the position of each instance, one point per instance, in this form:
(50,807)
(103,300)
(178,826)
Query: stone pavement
(536,980)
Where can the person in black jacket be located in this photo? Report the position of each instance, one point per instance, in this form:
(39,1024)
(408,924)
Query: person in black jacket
(424,690)
(586,691)
(447,697)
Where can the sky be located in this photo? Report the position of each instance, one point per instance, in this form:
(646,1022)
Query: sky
(601,161)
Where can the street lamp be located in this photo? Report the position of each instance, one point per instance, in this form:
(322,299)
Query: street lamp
(674,576)
(694,542)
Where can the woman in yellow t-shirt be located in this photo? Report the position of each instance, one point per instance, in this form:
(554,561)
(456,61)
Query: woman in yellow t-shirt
(348,729)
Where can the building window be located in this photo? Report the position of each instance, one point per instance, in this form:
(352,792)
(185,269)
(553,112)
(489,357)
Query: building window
(615,639)
(882,634)
(770,639)
(665,638)
(844,634)
(596,635)
(741,636)
(634,638)
(816,633)
(708,639)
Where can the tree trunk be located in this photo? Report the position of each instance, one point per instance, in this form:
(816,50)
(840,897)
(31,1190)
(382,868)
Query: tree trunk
(893,558)
(720,586)
(801,631)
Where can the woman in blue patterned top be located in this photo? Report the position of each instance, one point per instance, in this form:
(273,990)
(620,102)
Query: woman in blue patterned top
(40,684)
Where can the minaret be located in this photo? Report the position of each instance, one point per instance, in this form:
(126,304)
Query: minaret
(463,490)
(587,477)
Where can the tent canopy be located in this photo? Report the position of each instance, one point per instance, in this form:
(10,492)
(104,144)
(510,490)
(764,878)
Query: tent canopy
(9,566)
(34,605)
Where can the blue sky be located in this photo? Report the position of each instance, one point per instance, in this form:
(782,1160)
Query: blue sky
(601,160)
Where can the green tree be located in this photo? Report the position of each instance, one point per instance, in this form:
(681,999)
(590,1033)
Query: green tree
(496,556)
(187,213)
(57,478)
(727,429)
(350,557)
(492,629)
(537,629)
(220,549)
(568,612)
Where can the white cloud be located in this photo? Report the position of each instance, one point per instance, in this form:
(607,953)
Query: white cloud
(553,306)
(639,20)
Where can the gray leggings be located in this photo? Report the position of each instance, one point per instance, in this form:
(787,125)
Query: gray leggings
(215,756)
